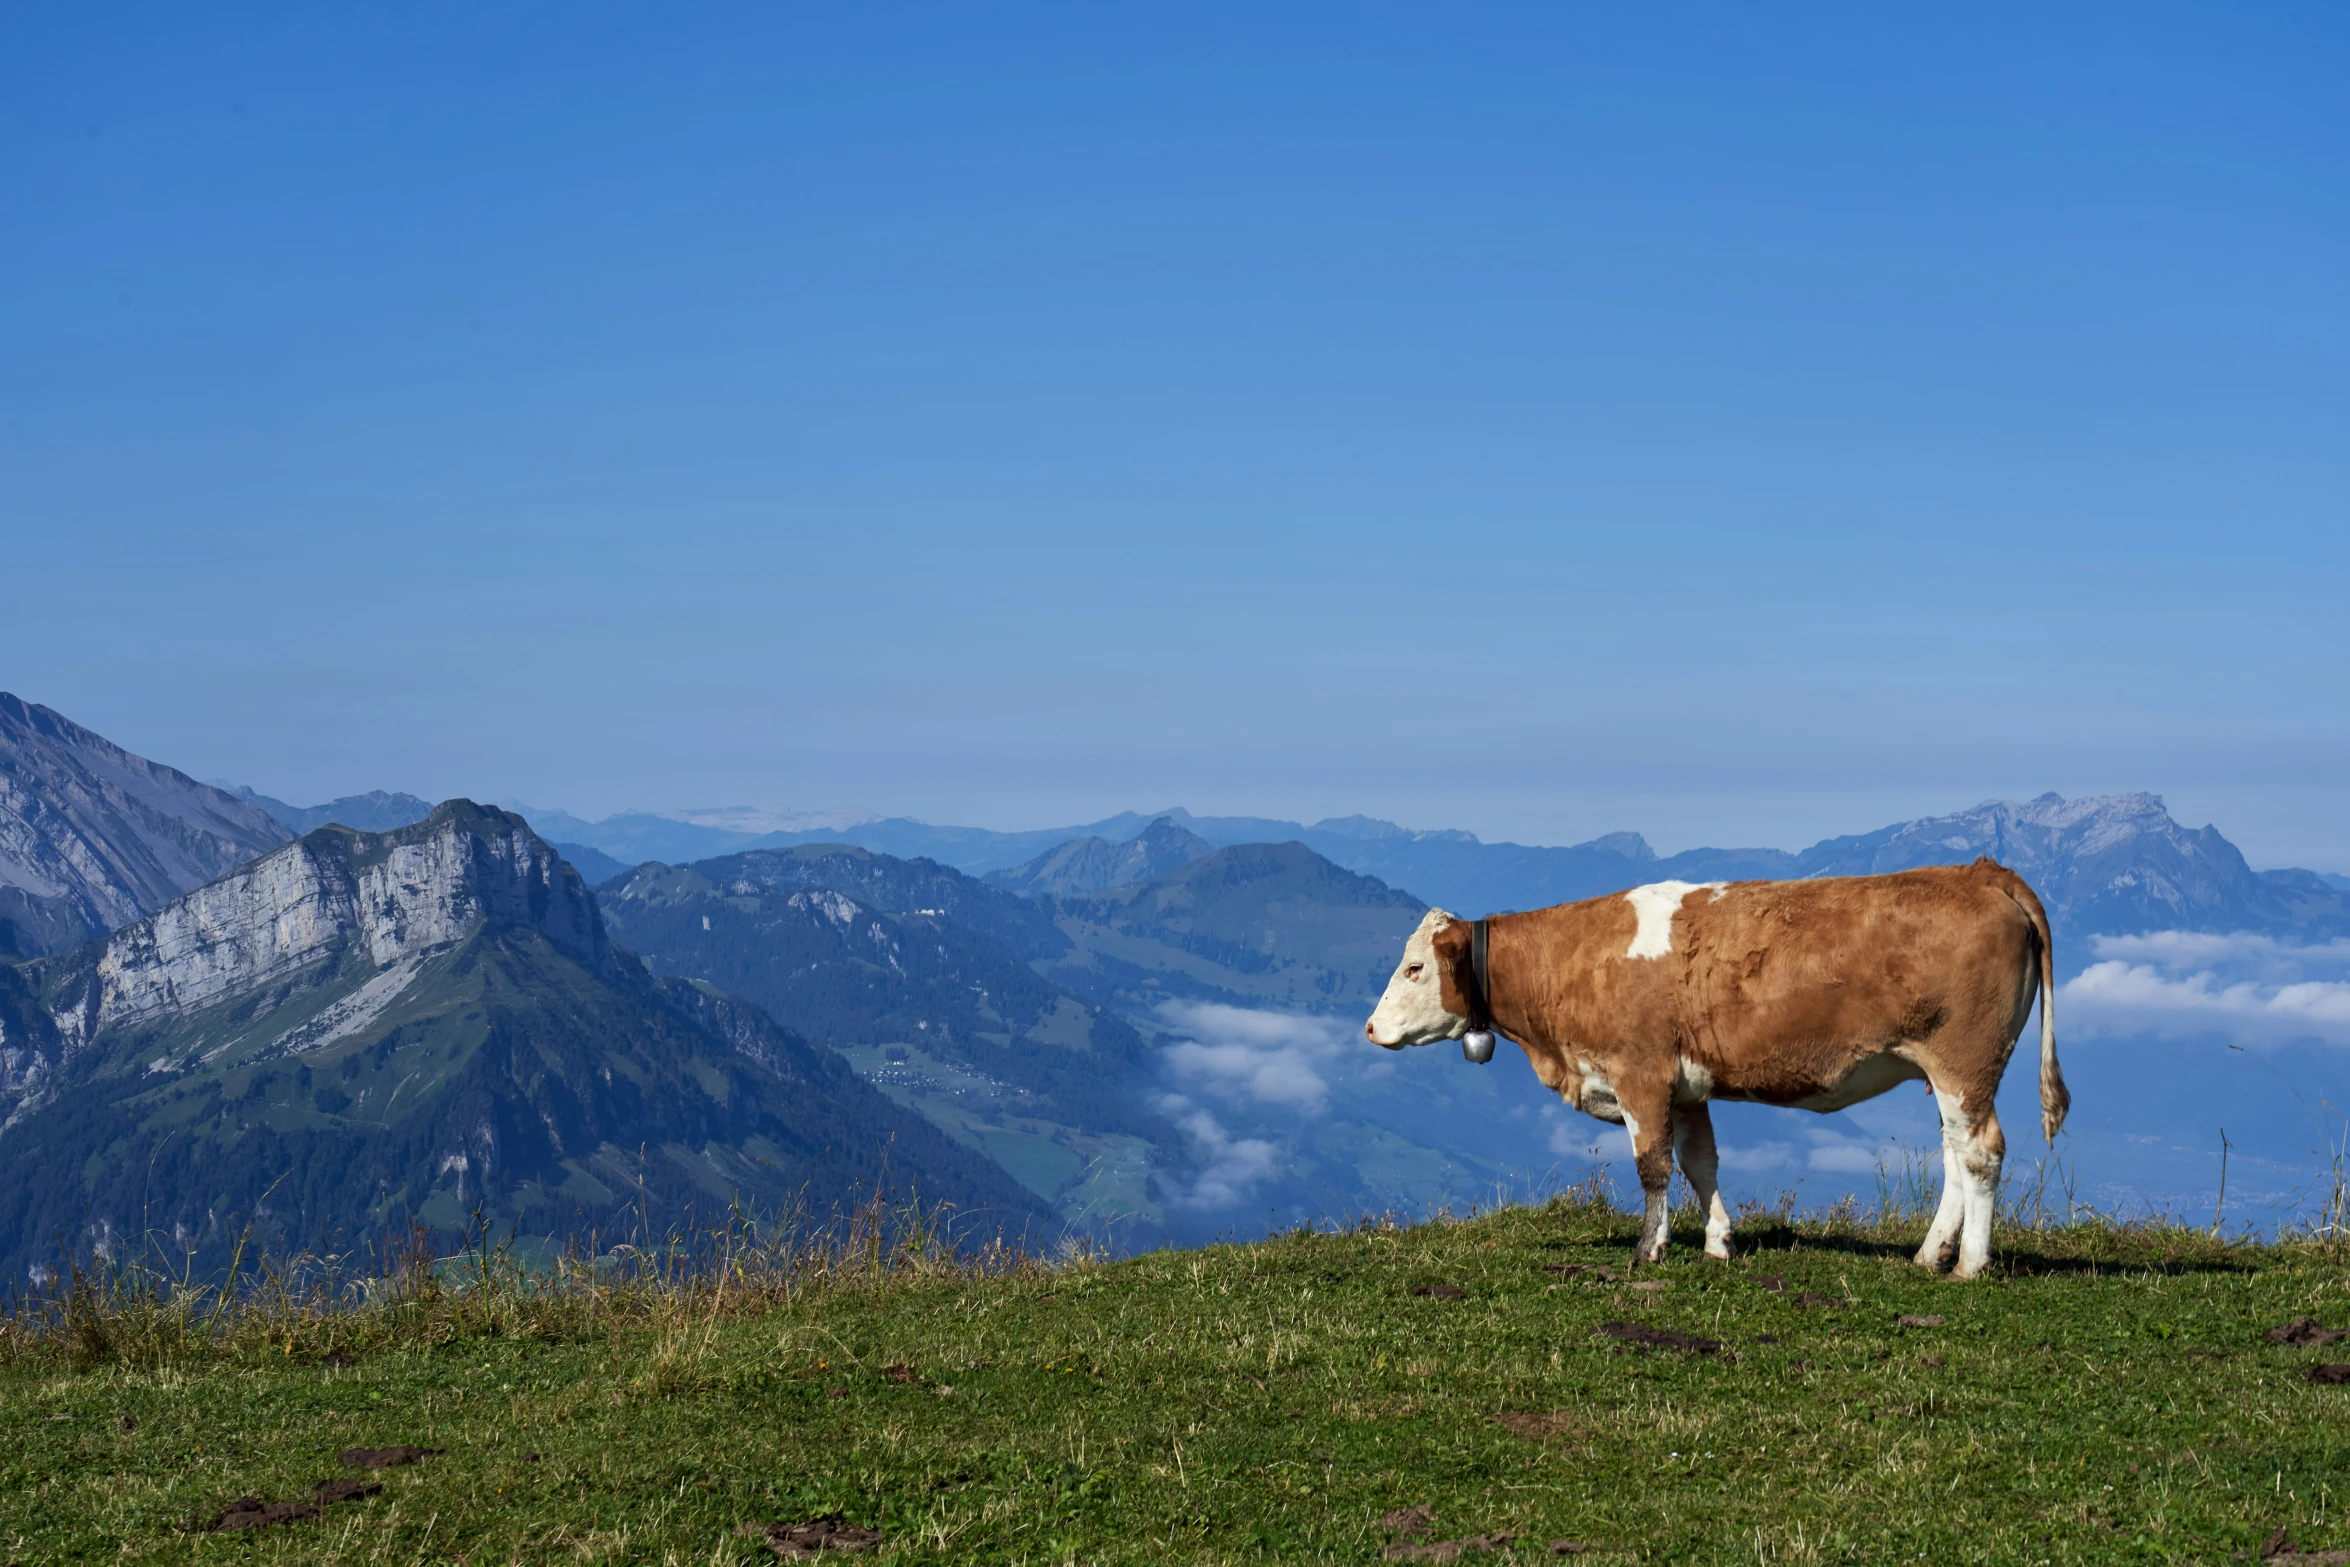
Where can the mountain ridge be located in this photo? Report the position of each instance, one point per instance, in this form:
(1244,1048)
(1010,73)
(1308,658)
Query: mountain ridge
(93,836)
(427,1023)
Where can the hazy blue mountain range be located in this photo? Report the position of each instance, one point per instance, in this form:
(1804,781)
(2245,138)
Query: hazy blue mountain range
(92,837)
(2106,864)
(1092,864)
(375,811)
(357,1029)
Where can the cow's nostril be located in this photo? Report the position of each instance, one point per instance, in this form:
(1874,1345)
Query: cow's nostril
(1370,1033)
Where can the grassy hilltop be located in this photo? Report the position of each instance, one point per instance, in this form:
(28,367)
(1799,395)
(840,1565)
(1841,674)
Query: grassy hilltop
(2109,1396)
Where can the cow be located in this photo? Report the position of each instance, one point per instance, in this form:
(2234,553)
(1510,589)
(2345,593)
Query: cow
(1641,1007)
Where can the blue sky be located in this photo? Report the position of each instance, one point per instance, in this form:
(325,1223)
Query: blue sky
(1735,426)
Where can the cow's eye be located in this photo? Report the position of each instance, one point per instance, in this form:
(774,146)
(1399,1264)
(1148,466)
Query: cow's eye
(1413,972)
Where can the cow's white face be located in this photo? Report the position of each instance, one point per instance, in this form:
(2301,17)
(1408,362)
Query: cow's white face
(1412,1012)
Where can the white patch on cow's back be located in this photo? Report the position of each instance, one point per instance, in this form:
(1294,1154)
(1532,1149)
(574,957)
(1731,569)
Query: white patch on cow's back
(1655,905)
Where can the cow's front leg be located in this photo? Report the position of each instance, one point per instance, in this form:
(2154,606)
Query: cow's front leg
(1648,1116)
(1693,1146)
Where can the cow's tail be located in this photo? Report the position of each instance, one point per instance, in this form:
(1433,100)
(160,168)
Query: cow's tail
(2055,1098)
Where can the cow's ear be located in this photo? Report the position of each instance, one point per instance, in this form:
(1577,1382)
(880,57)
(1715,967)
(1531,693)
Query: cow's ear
(1450,946)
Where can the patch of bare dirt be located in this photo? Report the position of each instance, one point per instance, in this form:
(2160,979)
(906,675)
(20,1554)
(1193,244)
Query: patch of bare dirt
(2304,1333)
(385,1457)
(2277,1551)
(2328,1373)
(1445,1550)
(1907,1321)
(1442,1291)
(800,1542)
(1815,1298)
(1659,1338)
(1568,1547)
(251,1512)
(1410,1522)
(1537,1427)
(1599,1272)
(330,1492)
(1772,1282)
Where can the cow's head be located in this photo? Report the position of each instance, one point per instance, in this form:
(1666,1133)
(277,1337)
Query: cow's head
(1426,1000)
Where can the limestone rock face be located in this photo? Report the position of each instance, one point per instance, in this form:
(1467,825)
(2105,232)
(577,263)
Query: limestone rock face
(393,896)
(93,837)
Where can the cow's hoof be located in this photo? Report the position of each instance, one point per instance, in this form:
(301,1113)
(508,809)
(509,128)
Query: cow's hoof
(1935,1258)
(1722,1250)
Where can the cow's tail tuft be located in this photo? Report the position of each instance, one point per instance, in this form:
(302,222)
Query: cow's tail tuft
(2055,1098)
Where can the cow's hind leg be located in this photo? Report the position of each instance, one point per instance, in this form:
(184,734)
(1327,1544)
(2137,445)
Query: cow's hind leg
(1941,1245)
(1648,1116)
(1979,1160)
(1693,1148)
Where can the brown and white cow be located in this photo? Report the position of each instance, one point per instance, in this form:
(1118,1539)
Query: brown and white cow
(1641,1006)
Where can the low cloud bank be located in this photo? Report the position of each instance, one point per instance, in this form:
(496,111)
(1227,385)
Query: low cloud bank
(1261,1058)
(1229,1168)
(2247,988)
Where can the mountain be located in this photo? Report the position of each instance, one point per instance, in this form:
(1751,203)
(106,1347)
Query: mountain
(1092,864)
(374,811)
(2104,864)
(593,864)
(1267,924)
(358,1029)
(920,976)
(92,837)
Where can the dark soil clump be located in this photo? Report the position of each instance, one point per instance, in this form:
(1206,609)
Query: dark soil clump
(1442,1291)
(332,1491)
(1659,1338)
(2328,1373)
(251,1512)
(2304,1333)
(799,1542)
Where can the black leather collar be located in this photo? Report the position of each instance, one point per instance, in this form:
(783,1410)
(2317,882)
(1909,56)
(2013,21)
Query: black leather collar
(1480,997)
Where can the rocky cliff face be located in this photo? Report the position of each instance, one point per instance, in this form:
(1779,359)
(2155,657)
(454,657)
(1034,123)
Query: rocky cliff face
(92,837)
(390,897)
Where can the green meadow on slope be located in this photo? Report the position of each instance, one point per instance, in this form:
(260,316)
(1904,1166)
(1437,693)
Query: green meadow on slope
(2109,1395)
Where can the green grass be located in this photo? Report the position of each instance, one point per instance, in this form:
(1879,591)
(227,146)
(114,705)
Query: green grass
(2108,1397)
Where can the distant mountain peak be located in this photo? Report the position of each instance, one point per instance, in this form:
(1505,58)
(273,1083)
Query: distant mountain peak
(1085,866)
(377,810)
(2103,863)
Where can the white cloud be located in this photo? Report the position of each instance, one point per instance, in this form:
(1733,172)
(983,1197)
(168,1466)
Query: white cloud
(2117,997)
(1268,1058)
(2246,987)
(2240,953)
(1229,1167)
